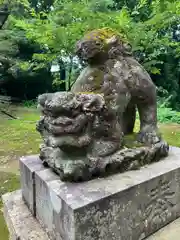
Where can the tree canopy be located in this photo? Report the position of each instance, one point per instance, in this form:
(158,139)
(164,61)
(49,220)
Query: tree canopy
(49,30)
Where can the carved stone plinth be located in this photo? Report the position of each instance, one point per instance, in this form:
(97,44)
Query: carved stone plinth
(25,227)
(130,205)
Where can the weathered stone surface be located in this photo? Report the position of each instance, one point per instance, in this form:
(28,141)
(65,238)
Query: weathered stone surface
(83,130)
(45,202)
(131,205)
(113,71)
(22,229)
(83,139)
(28,166)
(169,232)
(21,224)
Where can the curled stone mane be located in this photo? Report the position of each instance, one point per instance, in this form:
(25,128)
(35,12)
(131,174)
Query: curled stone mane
(102,42)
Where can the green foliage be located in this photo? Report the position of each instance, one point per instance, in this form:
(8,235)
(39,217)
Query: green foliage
(151,39)
(168,115)
(101,5)
(165,113)
(147,25)
(41,5)
(30,103)
(20,75)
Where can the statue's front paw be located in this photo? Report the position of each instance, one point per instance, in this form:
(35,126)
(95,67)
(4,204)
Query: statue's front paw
(149,137)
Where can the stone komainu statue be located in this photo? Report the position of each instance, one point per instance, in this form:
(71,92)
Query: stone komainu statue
(125,84)
(83,130)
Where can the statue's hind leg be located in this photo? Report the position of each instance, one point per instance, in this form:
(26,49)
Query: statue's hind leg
(148,123)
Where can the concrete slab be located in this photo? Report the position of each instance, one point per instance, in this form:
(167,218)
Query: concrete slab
(21,224)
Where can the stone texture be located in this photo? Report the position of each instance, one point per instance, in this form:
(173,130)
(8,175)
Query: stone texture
(47,203)
(83,139)
(28,166)
(127,206)
(83,130)
(21,224)
(21,227)
(171,231)
(126,86)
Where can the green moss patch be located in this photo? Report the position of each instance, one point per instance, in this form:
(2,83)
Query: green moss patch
(131,142)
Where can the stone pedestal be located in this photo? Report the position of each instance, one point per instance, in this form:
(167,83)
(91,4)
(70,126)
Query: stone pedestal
(21,223)
(128,206)
(25,227)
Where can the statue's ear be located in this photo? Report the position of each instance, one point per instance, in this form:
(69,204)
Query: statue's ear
(94,103)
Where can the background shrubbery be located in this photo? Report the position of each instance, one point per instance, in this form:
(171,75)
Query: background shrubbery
(168,115)
(40,33)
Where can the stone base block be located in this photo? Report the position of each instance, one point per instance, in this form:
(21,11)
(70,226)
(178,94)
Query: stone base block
(128,206)
(28,166)
(21,227)
(21,224)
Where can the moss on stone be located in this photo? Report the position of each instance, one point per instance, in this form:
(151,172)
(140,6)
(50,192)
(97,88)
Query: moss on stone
(130,141)
(103,34)
(98,79)
(100,34)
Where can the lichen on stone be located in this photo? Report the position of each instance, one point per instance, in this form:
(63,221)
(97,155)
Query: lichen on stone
(88,137)
(103,34)
(83,138)
(130,141)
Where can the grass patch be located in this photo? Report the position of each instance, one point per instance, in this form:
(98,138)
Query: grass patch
(18,137)
(171,133)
